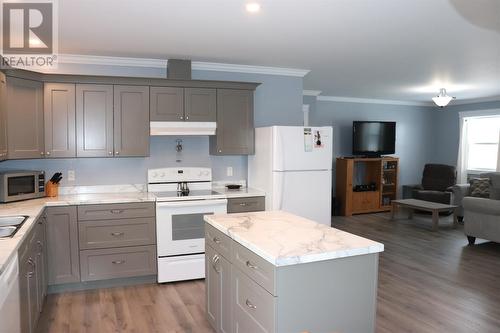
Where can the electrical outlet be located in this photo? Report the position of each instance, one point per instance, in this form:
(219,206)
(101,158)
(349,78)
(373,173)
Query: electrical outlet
(71,175)
(229,171)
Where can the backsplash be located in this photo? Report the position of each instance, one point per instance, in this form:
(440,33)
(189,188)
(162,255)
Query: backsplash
(110,171)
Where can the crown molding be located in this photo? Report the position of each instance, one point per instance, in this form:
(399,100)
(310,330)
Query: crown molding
(314,93)
(371,101)
(81,59)
(475,100)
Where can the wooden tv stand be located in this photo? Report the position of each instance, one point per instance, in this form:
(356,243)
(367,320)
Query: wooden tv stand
(382,172)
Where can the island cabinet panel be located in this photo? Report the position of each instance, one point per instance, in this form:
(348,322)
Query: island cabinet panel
(235,128)
(218,305)
(3,117)
(167,104)
(94,120)
(25,135)
(62,245)
(60,120)
(131,121)
(200,104)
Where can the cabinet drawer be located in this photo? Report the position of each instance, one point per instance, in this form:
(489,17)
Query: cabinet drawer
(116,233)
(118,262)
(218,241)
(115,211)
(255,308)
(248,204)
(254,266)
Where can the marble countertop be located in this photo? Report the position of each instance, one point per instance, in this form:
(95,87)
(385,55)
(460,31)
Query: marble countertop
(241,193)
(34,208)
(286,239)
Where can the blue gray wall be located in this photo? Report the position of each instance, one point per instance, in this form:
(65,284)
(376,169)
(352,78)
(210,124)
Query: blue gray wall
(278,101)
(415,133)
(446,122)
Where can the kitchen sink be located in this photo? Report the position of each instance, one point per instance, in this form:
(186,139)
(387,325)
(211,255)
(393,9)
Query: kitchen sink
(10,224)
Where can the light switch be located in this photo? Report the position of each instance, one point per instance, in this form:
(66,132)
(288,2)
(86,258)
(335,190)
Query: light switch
(71,175)
(229,171)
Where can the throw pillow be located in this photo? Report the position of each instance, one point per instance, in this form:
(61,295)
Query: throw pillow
(494,193)
(480,187)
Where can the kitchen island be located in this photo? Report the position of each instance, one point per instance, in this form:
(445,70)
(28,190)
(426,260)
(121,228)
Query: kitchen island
(277,272)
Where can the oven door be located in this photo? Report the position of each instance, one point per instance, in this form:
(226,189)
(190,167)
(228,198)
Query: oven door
(180,228)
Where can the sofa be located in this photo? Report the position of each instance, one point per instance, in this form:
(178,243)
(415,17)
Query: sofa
(436,186)
(481,215)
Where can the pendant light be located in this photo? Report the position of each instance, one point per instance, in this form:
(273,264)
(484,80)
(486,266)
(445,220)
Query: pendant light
(442,99)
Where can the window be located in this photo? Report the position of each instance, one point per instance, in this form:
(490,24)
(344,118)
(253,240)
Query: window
(482,140)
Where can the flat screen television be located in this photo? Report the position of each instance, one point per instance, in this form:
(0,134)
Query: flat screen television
(373,138)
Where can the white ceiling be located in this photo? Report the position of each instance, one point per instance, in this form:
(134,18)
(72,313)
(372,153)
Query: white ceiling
(377,49)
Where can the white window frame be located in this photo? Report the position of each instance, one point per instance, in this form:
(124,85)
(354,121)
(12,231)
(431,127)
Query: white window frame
(475,114)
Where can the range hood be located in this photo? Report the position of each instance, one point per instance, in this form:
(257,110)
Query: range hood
(182,128)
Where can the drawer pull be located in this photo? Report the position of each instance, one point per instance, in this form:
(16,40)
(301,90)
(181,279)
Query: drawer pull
(117,234)
(243,204)
(250,305)
(118,262)
(116,211)
(216,240)
(251,265)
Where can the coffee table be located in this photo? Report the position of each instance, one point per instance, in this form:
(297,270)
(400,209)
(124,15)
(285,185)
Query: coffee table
(433,207)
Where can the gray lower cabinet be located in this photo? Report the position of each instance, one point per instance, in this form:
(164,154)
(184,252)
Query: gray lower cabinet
(200,104)
(25,128)
(131,121)
(246,204)
(94,120)
(118,262)
(217,290)
(167,104)
(62,245)
(235,125)
(60,120)
(32,277)
(337,295)
(3,117)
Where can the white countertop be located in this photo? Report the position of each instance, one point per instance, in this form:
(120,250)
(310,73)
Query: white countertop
(286,239)
(34,208)
(241,193)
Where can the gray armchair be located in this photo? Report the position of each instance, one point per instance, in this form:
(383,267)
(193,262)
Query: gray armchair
(437,182)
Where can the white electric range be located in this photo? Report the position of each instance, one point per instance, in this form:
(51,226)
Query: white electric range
(183,197)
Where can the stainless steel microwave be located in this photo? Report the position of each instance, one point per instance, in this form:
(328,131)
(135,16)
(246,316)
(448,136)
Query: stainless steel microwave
(18,185)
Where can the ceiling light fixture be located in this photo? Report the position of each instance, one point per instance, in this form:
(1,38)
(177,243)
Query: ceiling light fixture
(252,7)
(442,99)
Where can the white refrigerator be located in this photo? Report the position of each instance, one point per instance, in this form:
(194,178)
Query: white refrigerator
(293,165)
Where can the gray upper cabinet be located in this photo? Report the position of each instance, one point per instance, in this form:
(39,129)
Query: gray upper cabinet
(235,128)
(200,104)
(167,104)
(62,245)
(60,120)
(131,121)
(25,119)
(94,120)
(3,117)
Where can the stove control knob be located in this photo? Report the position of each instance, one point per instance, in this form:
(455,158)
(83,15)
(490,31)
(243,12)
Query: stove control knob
(155,174)
(206,173)
(162,174)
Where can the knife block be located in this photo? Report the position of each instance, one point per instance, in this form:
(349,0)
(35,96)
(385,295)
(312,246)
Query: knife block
(51,189)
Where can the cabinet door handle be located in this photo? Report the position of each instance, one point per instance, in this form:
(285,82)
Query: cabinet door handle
(187,117)
(117,153)
(110,153)
(47,153)
(216,240)
(250,305)
(182,117)
(116,211)
(42,153)
(251,265)
(116,234)
(118,262)
(215,260)
(40,245)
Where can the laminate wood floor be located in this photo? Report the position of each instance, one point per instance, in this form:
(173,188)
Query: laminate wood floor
(428,282)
